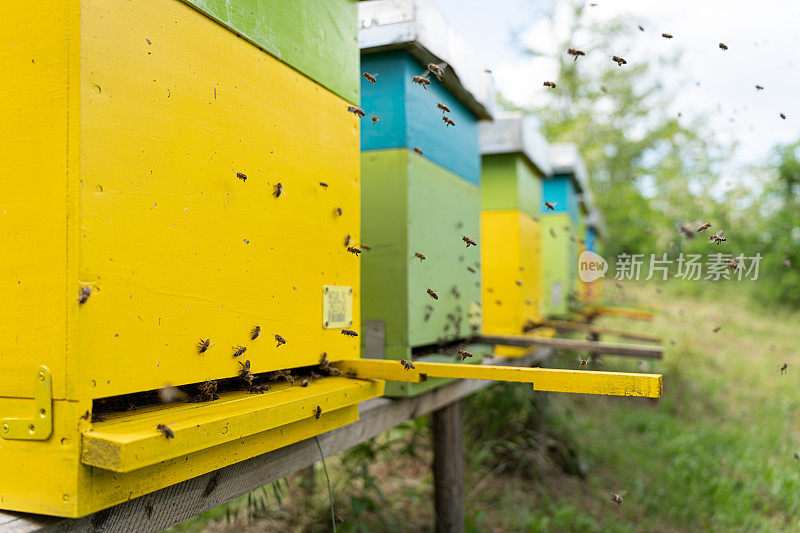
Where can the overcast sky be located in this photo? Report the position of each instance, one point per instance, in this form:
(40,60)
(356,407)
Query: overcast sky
(763,37)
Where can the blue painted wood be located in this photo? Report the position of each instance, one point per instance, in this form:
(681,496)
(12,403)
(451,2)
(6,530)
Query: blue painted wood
(591,239)
(560,191)
(409,117)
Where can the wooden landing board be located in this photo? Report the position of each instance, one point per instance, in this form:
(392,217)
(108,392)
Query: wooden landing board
(603,330)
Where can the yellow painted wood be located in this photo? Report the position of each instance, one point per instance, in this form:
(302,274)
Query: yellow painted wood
(132,442)
(543,379)
(625,312)
(39,425)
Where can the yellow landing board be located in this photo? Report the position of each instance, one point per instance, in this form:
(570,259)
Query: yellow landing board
(132,442)
(543,379)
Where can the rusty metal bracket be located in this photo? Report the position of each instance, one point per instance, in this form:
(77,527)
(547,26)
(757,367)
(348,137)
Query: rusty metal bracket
(40,427)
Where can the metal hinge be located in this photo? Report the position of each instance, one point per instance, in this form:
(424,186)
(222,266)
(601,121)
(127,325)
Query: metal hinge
(40,427)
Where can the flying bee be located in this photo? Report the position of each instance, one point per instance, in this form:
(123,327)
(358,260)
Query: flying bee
(463,354)
(686,230)
(469,241)
(365,248)
(239,350)
(733,265)
(703,227)
(317,412)
(575,53)
(417,150)
(349,333)
(408,365)
(617,497)
(204,345)
(550,84)
(421,81)
(666,35)
(168,433)
(242,176)
(437,69)
(84,294)
(443,107)
(723,46)
(718,238)
(783,116)
(448,122)
(584,363)
(347,241)
(353,250)
(716,329)
(550,206)
(280,340)
(759,87)
(357,111)
(338,211)
(323,184)
(370,78)
(255,333)
(471,270)
(244,372)
(784,366)
(641,28)
(419,256)
(432,294)
(552,233)
(278,190)
(618,60)
(375,119)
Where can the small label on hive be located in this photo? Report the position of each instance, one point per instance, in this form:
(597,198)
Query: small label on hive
(337,306)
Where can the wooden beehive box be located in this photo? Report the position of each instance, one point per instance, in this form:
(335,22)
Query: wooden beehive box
(515,159)
(414,202)
(560,227)
(129,130)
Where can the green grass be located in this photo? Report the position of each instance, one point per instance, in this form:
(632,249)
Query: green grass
(716,453)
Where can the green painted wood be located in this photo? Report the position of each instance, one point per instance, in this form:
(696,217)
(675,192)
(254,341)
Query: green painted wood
(318,38)
(508,181)
(559,262)
(396,389)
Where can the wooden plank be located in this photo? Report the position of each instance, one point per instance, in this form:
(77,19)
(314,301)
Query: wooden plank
(631,350)
(603,330)
(624,312)
(448,467)
(169,506)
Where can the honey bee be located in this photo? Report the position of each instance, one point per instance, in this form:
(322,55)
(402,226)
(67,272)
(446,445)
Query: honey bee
(716,329)
(550,206)
(208,391)
(703,227)
(365,248)
(686,230)
(280,340)
(84,294)
(285,375)
(375,119)
(733,265)
(349,333)
(168,433)
(370,78)
(723,46)
(469,241)
(278,190)
(419,256)
(242,176)
(437,69)
(86,416)
(353,250)
(584,363)
(641,28)
(518,282)
(239,350)
(304,383)
(317,412)
(575,53)
(338,211)
(421,81)
(408,365)
(666,35)
(718,238)
(356,111)
(784,366)
(443,107)
(550,84)
(204,345)
(463,354)
(258,389)
(759,87)
(323,184)
(618,60)
(448,122)
(471,270)
(255,333)
(783,116)
(417,150)
(552,233)
(432,294)
(617,497)
(244,373)
(347,241)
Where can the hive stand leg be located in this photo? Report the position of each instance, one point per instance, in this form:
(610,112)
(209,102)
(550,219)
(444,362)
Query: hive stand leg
(448,468)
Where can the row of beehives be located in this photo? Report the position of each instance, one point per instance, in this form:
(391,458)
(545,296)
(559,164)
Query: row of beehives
(199,178)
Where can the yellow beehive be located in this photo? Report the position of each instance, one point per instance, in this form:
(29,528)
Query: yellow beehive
(129,129)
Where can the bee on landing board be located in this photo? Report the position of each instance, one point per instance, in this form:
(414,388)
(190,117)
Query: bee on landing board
(317,412)
(370,78)
(278,190)
(166,431)
(353,250)
(204,345)
(255,333)
(323,184)
(471,270)
(408,365)
(239,350)
(469,241)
